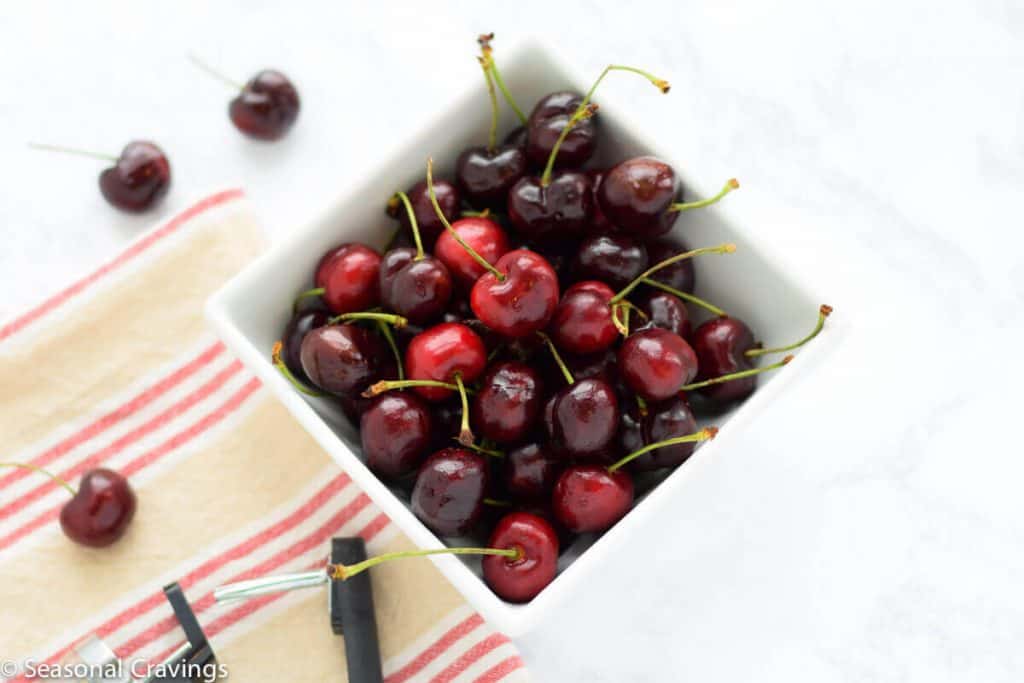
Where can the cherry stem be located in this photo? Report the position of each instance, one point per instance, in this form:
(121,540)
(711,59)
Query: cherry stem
(730,185)
(448,226)
(275,358)
(585,111)
(485,451)
(465,433)
(685,296)
(32,468)
(316,291)
(622,323)
(702,435)
(736,375)
(340,572)
(494,502)
(389,384)
(213,72)
(823,312)
(641,405)
(390,318)
(404,198)
(720,249)
(73,150)
(476,214)
(385,331)
(488,55)
(492,136)
(558,358)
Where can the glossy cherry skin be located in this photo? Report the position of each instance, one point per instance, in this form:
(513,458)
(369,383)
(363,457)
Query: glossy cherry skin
(441,352)
(679,275)
(666,311)
(720,345)
(583,418)
(529,471)
(267,107)
(430,226)
(521,579)
(614,259)
(485,176)
(563,208)
(300,324)
(589,498)
(517,137)
(418,290)
(342,359)
(656,363)
(449,492)
(482,234)
(582,323)
(507,403)
(635,196)
(139,178)
(396,431)
(665,420)
(101,511)
(349,275)
(521,304)
(545,124)
(599,223)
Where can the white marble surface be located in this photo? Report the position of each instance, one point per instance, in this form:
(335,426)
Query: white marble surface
(870,527)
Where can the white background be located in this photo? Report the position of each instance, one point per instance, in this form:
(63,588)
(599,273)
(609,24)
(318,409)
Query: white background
(872,528)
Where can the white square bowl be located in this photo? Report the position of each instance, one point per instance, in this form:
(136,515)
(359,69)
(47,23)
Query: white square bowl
(251,311)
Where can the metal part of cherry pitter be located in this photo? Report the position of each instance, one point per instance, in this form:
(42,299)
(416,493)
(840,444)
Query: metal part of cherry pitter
(192,662)
(349,603)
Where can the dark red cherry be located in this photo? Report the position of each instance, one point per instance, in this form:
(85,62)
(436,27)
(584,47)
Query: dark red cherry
(678,275)
(721,345)
(583,418)
(485,176)
(546,122)
(614,259)
(482,234)
(342,359)
(396,431)
(521,578)
(417,289)
(301,323)
(582,322)
(139,178)
(441,352)
(636,194)
(100,511)
(267,107)
(349,276)
(656,363)
(589,498)
(524,301)
(449,492)
(599,223)
(665,420)
(507,403)
(448,198)
(529,471)
(664,310)
(517,137)
(562,208)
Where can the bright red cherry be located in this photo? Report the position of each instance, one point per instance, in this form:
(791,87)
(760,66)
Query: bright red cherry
(522,300)
(396,433)
(483,235)
(441,352)
(656,363)
(521,578)
(349,276)
(582,322)
(507,402)
(100,511)
(589,498)
(449,491)
(267,107)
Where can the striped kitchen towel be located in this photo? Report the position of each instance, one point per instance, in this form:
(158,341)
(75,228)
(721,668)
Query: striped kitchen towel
(120,370)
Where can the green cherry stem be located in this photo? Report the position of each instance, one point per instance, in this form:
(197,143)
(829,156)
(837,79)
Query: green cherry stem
(585,111)
(32,468)
(390,318)
(316,291)
(389,384)
(448,226)
(720,249)
(730,185)
(702,435)
(74,151)
(492,136)
(404,198)
(389,337)
(494,502)
(558,358)
(340,572)
(465,433)
(487,53)
(823,312)
(685,296)
(213,72)
(275,359)
(485,451)
(735,375)
(469,213)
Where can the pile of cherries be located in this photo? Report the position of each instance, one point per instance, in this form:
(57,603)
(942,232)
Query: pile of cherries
(523,353)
